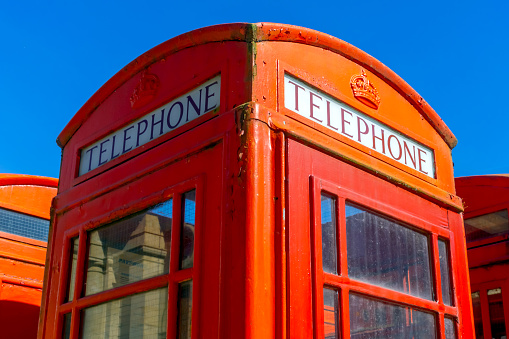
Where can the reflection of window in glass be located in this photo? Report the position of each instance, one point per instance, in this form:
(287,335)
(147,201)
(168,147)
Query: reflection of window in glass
(330,313)
(476,306)
(329,249)
(370,318)
(497,319)
(445,275)
(140,315)
(486,225)
(187,235)
(74,263)
(185,304)
(384,253)
(450,329)
(130,250)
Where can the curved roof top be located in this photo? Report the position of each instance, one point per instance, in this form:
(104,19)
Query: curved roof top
(256,33)
(500,180)
(7,179)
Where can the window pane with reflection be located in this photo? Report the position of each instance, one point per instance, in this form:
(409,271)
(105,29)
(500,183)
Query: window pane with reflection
(130,250)
(384,253)
(329,248)
(450,329)
(185,307)
(74,263)
(142,315)
(445,274)
(373,319)
(187,233)
(330,313)
(476,306)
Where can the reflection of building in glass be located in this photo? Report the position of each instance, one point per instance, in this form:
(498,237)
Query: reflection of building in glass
(24,221)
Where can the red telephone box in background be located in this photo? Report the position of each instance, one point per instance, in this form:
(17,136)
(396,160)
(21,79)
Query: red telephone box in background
(486,200)
(256,181)
(25,202)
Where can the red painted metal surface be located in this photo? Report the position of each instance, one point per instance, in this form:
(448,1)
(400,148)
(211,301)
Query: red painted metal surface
(487,258)
(256,273)
(22,259)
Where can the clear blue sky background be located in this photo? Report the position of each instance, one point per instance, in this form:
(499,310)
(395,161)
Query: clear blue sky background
(56,54)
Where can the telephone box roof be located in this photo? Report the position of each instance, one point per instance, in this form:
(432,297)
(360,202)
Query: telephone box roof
(253,33)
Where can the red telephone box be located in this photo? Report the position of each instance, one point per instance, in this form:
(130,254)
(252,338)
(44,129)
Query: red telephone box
(25,202)
(486,200)
(256,181)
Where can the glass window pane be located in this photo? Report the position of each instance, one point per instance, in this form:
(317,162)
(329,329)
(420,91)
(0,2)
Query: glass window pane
(142,315)
(329,252)
(130,250)
(445,275)
(185,305)
(74,262)
(497,319)
(450,329)
(187,234)
(374,319)
(66,332)
(476,306)
(23,225)
(330,313)
(486,226)
(384,253)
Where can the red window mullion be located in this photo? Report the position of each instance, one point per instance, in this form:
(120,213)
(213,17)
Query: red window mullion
(195,272)
(344,312)
(485,311)
(435,269)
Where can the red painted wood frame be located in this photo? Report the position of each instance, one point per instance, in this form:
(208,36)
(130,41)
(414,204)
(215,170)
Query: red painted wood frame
(307,180)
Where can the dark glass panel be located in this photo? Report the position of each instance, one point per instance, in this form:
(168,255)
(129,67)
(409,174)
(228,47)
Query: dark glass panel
(329,247)
(187,234)
(74,263)
(445,274)
(373,319)
(384,253)
(185,306)
(497,318)
(486,226)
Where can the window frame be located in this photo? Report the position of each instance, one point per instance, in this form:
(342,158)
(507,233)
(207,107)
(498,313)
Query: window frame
(483,288)
(171,280)
(345,285)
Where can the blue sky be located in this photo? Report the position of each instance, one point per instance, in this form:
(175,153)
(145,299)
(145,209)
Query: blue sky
(56,54)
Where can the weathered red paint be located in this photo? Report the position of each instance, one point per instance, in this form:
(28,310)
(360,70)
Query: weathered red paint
(252,160)
(22,259)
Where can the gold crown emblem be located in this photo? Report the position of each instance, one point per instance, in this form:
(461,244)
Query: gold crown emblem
(146,90)
(364,91)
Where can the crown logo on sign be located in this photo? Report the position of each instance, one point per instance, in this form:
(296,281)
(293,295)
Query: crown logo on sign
(146,90)
(364,91)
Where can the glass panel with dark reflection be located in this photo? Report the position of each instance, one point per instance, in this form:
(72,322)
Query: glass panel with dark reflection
(384,253)
(185,307)
(187,234)
(486,226)
(74,263)
(497,318)
(66,332)
(330,313)
(445,274)
(329,248)
(476,306)
(450,329)
(130,250)
(374,319)
(142,315)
